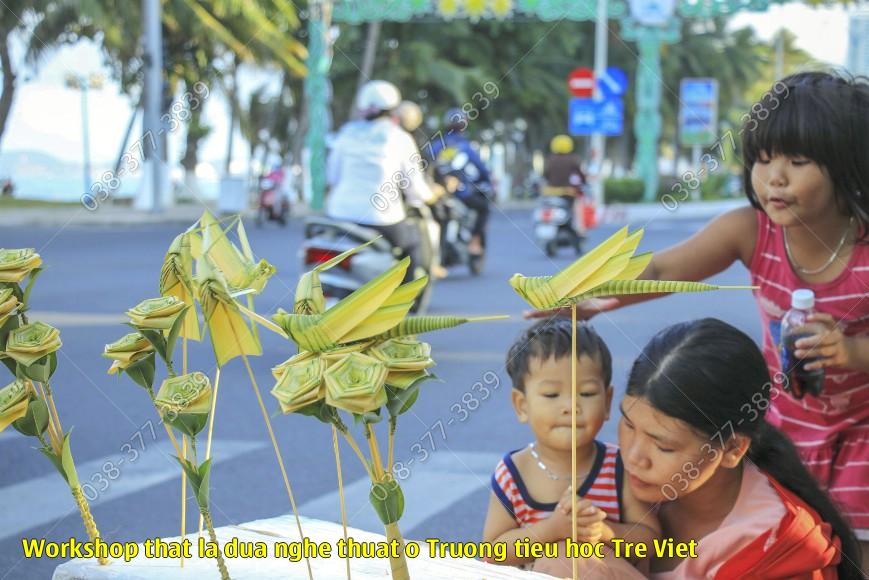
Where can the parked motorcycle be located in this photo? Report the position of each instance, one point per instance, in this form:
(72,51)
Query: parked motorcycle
(554,225)
(273,204)
(326,238)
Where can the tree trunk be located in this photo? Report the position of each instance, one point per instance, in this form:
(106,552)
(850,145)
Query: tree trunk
(370,54)
(8,81)
(191,152)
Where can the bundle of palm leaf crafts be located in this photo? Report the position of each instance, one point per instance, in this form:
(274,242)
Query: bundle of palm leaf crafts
(360,356)
(202,267)
(29,351)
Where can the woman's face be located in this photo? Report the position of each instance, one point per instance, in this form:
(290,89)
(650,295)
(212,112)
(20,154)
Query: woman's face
(664,458)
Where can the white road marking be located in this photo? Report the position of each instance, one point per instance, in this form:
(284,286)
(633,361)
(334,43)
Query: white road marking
(44,499)
(462,473)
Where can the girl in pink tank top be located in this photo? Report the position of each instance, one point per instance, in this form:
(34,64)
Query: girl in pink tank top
(805,150)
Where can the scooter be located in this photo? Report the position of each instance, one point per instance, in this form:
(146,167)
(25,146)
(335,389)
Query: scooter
(456,236)
(326,238)
(460,221)
(554,221)
(273,204)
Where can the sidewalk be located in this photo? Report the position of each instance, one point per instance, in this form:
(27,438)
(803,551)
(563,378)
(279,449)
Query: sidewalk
(185,214)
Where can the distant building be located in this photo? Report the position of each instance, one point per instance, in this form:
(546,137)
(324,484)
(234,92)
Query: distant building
(858,42)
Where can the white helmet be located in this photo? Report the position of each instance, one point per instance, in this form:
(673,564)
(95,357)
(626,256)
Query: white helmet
(376,96)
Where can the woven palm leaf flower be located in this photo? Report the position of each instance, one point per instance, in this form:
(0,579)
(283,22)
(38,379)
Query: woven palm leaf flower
(8,304)
(356,383)
(16,264)
(14,399)
(184,402)
(610,269)
(301,383)
(31,342)
(176,279)
(126,351)
(156,313)
(406,359)
(278,371)
(404,354)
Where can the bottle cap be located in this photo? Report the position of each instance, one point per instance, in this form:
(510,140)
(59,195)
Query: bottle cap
(803,299)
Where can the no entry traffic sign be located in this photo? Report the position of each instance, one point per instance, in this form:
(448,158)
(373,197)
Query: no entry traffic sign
(580,82)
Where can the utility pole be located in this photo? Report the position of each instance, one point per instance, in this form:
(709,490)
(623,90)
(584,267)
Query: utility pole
(152,142)
(598,141)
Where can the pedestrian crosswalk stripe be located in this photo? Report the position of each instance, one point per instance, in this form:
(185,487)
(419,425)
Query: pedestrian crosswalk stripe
(461,472)
(44,499)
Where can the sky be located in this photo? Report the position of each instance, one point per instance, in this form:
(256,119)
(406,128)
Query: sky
(46,116)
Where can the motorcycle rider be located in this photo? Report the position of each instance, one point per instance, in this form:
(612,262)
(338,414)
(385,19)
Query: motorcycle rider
(409,116)
(373,167)
(563,175)
(474,182)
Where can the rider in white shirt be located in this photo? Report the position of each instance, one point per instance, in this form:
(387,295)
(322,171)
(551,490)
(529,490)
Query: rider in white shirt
(374,168)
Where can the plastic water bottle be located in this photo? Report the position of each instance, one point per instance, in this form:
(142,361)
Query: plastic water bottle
(795,326)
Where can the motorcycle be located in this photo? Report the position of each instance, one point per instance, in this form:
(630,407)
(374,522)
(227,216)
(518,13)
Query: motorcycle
(326,238)
(456,236)
(273,204)
(460,218)
(554,225)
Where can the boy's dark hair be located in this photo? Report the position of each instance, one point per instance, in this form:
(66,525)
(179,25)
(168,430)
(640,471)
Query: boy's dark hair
(552,338)
(824,117)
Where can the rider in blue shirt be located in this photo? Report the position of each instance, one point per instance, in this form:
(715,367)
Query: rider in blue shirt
(454,155)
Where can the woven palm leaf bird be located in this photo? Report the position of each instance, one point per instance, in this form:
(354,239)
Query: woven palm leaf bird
(610,269)
(378,310)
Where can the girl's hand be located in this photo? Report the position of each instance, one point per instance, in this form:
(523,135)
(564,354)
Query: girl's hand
(585,310)
(831,347)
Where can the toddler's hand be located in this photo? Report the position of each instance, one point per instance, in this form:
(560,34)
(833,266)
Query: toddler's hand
(589,518)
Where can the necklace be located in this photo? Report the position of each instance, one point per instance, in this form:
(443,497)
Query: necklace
(549,473)
(832,257)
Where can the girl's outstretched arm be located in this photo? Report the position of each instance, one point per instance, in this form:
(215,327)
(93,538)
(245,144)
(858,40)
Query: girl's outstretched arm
(726,239)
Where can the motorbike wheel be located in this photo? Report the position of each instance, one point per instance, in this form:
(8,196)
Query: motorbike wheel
(261,217)
(577,244)
(551,248)
(475,263)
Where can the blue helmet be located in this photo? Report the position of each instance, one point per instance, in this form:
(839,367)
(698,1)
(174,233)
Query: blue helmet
(456,117)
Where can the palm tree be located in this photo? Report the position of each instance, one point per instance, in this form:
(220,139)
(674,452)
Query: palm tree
(41,23)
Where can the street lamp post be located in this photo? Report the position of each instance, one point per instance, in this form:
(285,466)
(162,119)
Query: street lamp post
(83,83)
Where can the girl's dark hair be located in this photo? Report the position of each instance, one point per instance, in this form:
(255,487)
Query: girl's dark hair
(704,373)
(552,338)
(821,116)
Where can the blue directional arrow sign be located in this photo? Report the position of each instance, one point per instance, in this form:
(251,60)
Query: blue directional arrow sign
(613,82)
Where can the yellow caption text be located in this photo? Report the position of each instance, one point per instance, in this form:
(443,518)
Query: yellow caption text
(350,548)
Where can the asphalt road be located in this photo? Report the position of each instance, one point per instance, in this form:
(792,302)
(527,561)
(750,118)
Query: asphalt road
(449,443)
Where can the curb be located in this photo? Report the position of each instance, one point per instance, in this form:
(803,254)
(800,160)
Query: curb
(186,214)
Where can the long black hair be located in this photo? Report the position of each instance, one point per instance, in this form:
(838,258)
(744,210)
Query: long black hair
(821,116)
(704,372)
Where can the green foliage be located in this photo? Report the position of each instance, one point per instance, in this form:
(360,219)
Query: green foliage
(623,190)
